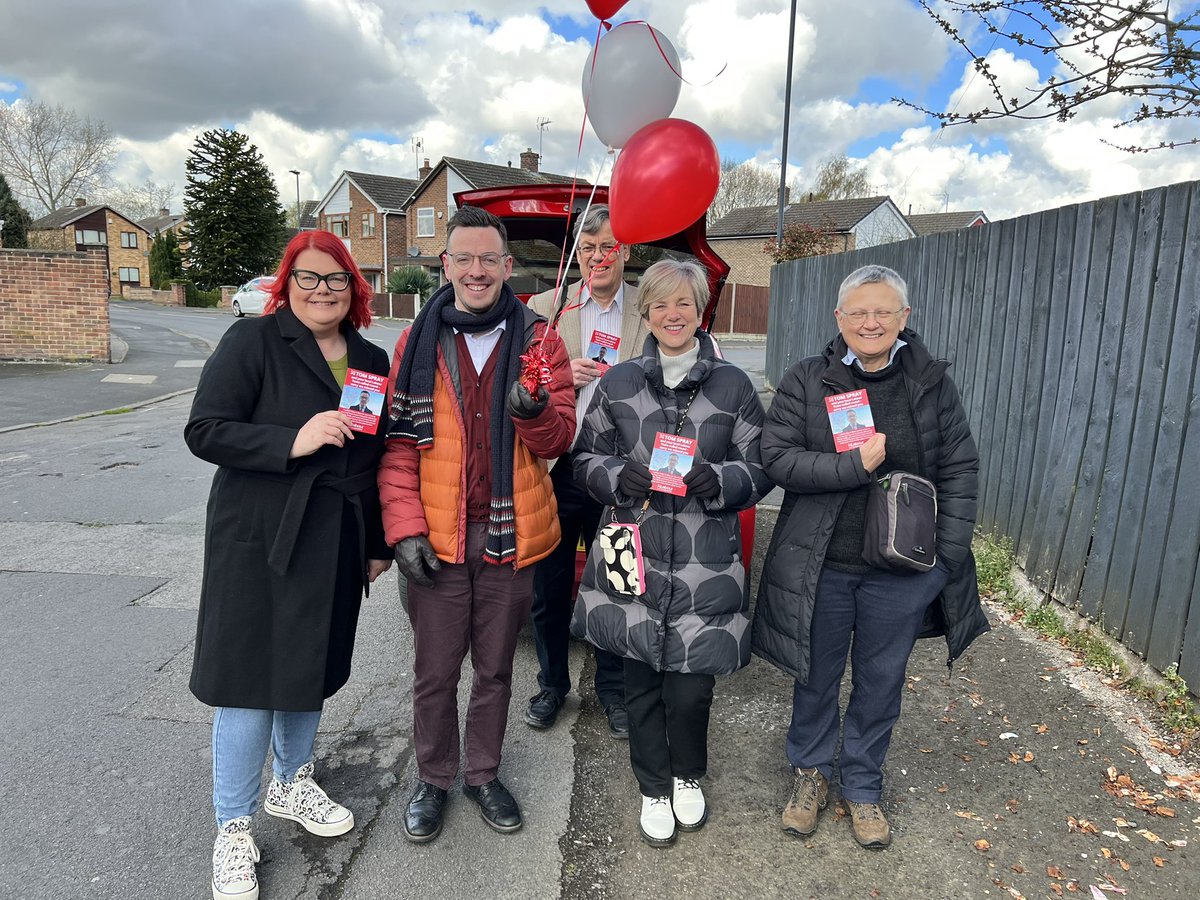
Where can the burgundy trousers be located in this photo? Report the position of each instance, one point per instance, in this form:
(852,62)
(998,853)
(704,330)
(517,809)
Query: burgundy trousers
(478,607)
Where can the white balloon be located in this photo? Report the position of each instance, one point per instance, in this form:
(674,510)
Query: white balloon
(631,84)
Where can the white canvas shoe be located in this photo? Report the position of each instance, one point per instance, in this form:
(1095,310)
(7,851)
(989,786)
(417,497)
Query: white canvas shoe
(234,856)
(691,812)
(657,824)
(303,801)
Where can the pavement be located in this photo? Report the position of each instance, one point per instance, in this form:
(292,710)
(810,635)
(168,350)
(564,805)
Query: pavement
(1019,773)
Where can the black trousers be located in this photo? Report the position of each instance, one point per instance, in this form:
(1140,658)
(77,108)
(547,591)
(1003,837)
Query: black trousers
(668,725)
(553,599)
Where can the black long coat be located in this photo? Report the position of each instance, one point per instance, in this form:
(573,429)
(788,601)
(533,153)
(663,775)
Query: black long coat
(286,542)
(798,455)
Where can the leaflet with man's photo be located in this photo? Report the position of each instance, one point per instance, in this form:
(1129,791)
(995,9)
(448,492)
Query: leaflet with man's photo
(603,349)
(362,400)
(671,460)
(850,419)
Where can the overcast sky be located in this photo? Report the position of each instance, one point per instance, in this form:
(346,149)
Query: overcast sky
(327,85)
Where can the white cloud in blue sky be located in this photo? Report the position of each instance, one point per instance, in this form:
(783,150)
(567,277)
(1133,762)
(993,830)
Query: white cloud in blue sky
(326,85)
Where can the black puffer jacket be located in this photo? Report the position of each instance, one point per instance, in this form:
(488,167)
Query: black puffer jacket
(798,454)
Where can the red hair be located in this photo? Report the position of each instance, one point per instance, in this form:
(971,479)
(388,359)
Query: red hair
(326,242)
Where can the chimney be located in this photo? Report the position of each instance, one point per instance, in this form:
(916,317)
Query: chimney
(164,212)
(787,195)
(529,160)
(80,201)
(424,170)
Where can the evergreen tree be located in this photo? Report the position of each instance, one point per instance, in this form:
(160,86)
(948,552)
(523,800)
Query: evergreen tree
(16,219)
(235,224)
(166,260)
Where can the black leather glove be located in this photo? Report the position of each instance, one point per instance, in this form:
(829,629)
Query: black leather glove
(522,404)
(702,482)
(413,554)
(634,480)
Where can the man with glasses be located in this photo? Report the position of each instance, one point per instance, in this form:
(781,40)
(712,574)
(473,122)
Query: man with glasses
(600,302)
(469,506)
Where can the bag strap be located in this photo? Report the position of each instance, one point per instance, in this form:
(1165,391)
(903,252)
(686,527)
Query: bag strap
(678,431)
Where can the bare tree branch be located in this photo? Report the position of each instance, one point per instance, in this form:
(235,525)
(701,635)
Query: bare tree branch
(1135,49)
(49,154)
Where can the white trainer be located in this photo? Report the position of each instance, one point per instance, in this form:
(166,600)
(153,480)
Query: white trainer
(691,812)
(303,801)
(234,856)
(657,824)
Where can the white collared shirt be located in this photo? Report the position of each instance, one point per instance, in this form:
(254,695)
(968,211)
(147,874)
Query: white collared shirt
(851,357)
(594,318)
(481,344)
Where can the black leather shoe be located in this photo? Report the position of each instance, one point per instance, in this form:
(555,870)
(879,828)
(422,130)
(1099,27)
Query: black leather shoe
(423,817)
(496,805)
(543,709)
(618,721)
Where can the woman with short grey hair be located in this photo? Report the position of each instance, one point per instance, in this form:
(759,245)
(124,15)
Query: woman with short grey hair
(817,593)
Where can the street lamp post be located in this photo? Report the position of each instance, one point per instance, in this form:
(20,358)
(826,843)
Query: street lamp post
(296,172)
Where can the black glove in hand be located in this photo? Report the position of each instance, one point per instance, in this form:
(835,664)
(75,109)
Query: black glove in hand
(702,482)
(634,480)
(522,405)
(413,554)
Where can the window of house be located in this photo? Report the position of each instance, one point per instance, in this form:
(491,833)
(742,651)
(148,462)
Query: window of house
(368,225)
(87,236)
(133,276)
(340,225)
(129,240)
(373,278)
(425,221)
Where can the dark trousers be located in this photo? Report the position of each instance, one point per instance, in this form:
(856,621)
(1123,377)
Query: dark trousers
(884,612)
(472,606)
(554,599)
(668,725)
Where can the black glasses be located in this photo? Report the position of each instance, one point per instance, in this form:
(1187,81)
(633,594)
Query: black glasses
(337,281)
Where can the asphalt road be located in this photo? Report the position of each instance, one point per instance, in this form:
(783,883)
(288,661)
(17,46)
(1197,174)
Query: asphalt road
(104,754)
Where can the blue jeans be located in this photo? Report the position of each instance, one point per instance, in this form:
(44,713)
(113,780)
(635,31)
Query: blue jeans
(884,613)
(240,738)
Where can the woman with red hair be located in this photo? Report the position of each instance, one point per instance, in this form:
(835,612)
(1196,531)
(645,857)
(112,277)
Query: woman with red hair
(293,537)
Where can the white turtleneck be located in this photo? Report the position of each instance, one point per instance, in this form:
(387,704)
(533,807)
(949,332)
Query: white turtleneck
(675,368)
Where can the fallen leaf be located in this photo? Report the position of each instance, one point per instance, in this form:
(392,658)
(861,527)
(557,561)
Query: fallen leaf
(1159,861)
(942,788)
(1018,868)
(982,846)
(1028,756)
(1014,758)
(967,814)
(1165,811)
(1124,865)
(981,743)
(1082,742)
(1122,823)
(1150,835)
(1056,887)
(1073,887)
(1011,805)
(1054,872)
(1106,853)
(1042,729)
(965,757)
(926,749)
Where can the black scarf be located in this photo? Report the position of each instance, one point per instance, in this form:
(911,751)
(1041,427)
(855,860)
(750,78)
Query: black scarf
(412,397)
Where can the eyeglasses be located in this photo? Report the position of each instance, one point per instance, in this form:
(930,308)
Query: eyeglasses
(882,316)
(589,250)
(337,281)
(490,261)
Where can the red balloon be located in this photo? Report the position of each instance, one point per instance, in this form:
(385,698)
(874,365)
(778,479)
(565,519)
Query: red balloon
(664,180)
(605,9)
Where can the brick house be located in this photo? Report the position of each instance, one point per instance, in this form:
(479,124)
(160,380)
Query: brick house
(432,202)
(933,223)
(83,226)
(739,236)
(366,211)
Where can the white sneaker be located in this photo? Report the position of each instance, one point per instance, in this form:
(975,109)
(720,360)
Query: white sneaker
(234,856)
(687,800)
(658,821)
(303,801)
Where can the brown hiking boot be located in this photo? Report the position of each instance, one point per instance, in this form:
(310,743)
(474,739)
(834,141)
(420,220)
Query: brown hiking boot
(810,793)
(870,825)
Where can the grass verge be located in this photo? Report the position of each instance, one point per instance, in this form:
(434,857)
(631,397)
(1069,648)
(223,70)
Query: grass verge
(994,560)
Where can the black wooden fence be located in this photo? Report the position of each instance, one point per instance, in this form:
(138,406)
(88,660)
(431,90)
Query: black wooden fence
(1074,336)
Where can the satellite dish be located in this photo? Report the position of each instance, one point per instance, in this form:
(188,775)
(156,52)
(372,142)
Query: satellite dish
(414,251)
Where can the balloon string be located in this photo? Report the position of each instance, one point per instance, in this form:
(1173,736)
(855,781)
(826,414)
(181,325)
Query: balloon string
(663,54)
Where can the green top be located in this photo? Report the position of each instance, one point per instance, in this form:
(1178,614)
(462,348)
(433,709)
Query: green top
(338,367)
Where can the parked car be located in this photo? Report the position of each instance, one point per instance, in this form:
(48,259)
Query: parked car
(252,296)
